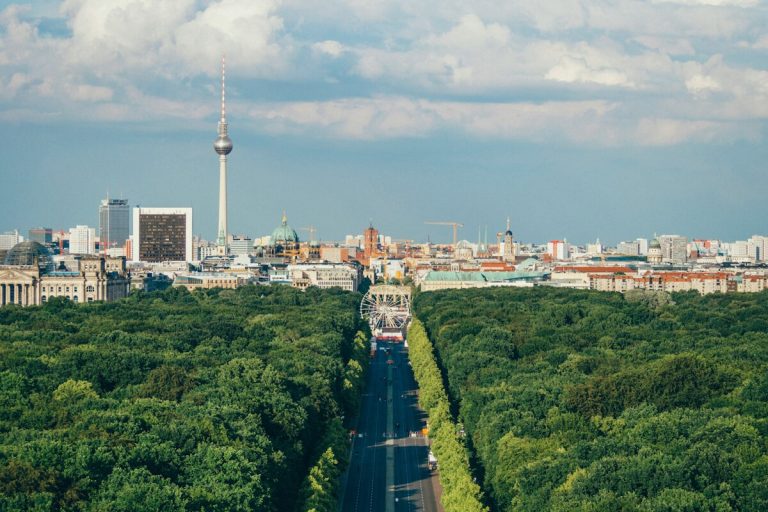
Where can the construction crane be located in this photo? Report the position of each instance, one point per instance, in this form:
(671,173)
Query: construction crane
(455,225)
(312,230)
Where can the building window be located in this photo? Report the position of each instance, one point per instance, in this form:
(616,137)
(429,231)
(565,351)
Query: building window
(75,298)
(59,289)
(74,289)
(43,299)
(67,289)
(89,288)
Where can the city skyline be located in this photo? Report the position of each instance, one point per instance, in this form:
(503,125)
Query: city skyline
(577,123)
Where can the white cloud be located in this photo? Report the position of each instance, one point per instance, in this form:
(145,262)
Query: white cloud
(669,132)
(391,117)
(700,84)
(9,88)
(668,45)
(633,71)
(761,43)
(329,47)
(717,3)
(596,123)
(574,69)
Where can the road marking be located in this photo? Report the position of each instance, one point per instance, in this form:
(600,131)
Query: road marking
(390,493)
(373,460)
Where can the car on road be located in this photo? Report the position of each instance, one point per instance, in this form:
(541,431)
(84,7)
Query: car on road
(431,461)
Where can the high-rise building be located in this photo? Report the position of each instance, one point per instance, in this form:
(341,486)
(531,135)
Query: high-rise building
(114,217)
(82,240)
(559,249)
(9,239)
(43,236)
(759,247)
(223,146)
(739,250)
(162,234)
(674,248)
(628,248)
(241,245)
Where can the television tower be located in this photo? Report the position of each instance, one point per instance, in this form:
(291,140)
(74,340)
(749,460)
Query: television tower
(223,146)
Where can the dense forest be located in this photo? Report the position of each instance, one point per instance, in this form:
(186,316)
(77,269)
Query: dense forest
(221,400)
(589,401)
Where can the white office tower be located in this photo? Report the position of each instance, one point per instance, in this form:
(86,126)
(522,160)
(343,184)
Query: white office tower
(82,240)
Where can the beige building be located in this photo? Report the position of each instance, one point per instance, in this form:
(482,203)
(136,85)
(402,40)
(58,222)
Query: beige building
(753,283)
(208,280)
(702,282)
(330,275)
(27,278)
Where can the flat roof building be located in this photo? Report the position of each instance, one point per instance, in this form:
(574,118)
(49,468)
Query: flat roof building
(114,217)
(162,234)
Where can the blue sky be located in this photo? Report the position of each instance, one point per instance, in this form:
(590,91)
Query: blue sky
(578,119)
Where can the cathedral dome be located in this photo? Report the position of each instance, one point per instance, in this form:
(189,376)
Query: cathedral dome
(30,253)
(284,233)
(654,244)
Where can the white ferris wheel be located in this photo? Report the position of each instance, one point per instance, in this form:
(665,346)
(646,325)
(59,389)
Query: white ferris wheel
(386,307)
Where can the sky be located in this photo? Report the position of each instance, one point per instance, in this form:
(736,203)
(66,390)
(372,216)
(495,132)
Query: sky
(578,119)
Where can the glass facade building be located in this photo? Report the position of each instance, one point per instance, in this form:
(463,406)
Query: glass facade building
(114,216)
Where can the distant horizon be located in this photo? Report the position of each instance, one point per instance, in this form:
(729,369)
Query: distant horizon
(438,240)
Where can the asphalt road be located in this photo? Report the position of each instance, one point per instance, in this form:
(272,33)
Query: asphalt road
(388,469)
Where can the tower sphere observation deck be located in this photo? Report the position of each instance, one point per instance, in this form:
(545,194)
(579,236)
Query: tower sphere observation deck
(223,145)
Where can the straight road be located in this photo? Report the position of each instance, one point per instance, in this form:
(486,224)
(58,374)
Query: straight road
(388,470)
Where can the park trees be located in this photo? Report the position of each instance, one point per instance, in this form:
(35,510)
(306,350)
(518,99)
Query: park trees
(592,401)
(214,400)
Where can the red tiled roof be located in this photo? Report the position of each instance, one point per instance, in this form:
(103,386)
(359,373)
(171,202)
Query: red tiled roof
(607,269)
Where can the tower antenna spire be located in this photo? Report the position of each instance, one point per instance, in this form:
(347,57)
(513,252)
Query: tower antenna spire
(223,89)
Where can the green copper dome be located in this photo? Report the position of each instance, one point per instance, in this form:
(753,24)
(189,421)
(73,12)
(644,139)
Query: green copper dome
(284,233)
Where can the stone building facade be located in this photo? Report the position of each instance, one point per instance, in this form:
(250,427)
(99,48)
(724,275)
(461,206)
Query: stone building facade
(94,278)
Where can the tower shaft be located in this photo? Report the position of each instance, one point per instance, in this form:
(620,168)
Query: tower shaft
(221,239)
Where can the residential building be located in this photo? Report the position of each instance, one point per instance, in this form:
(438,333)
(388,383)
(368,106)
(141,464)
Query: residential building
(558,249)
